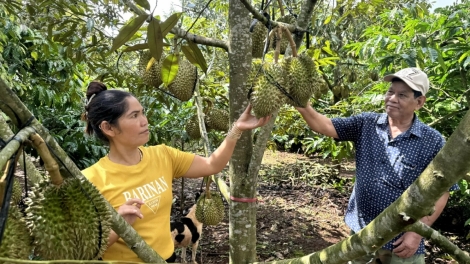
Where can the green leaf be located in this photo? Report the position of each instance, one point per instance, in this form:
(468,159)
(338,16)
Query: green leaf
(34,54)
(328,19)
(155,39)
(466,62)
(141,46)
(128,31)
(169,68)
(169,23)
(143,3)
(196,56)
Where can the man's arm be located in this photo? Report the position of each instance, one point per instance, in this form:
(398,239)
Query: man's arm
(439,207)
(318,122)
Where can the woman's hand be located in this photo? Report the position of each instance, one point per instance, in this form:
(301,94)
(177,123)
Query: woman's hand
(247,121)
(130,210)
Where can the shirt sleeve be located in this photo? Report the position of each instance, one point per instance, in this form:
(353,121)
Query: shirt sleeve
(349,128)
(181,161)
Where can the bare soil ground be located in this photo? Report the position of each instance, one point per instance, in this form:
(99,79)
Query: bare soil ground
(300,210)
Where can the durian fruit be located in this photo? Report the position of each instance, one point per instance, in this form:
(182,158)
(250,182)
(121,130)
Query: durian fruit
(302,79)
(374,76)
(217,119)
(210,208)
(184,83)
(192,128)
(152,76)
(266,98)
(337,90)
(16,241)
(67,218)
(69,221)
(258,35)
(352,77)
(288,19)
(17,192)
(324,88)
(344,92)
(255,74)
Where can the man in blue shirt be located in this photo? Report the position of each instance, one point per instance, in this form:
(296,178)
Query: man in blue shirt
(392,150)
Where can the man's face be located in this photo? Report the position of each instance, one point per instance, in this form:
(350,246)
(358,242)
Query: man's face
(400,102)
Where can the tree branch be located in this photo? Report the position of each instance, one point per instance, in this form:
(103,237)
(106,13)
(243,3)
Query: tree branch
(183,33)
(440,240)
(264,20)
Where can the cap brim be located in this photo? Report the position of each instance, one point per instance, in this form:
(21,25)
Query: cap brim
(389,78)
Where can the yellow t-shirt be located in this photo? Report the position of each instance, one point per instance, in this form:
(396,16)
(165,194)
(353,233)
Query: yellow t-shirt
(149,180)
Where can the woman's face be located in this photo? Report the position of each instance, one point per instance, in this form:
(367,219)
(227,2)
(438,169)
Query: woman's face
(132,127)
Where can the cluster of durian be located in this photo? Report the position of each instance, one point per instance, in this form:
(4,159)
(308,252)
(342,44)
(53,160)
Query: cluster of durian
(210,208)
(293,81)
(182,86)
(215,119)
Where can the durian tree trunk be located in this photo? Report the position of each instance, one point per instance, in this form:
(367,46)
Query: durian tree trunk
(449,166)
(242,215)
(22,117)
(246,160)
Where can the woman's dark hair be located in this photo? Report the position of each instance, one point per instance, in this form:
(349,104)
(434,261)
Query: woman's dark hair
(103,105)
(416,94)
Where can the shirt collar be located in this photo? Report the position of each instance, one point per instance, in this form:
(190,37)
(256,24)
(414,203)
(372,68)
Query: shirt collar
(415,129)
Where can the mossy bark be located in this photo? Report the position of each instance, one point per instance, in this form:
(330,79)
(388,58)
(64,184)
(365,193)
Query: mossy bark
(19,114)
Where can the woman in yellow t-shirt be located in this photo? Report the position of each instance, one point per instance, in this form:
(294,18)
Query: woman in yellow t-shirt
(137,180)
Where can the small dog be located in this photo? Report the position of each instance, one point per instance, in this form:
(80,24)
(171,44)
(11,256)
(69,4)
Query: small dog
(187,232)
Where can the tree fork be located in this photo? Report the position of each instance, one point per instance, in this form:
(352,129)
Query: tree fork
(13,105)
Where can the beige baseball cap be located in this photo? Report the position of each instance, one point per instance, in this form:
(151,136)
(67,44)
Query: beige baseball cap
(414,77)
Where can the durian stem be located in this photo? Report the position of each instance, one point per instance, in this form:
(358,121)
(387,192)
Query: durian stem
(278,37)
(49,162)
(3,183)
(291,41)
(207,191)
(281,7)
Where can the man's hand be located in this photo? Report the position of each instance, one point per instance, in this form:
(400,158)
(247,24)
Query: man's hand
(407,245)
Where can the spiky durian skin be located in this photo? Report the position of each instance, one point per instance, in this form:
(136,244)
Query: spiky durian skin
(71,219)
(16,241)
(301,82)
(48,222)
(217,119)
(17,192)
(152,76)
(266,97)
(183,85)
(210,211)
(80,199)
(257,39)
(192,128)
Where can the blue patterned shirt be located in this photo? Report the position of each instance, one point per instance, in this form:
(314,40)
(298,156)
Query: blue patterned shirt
(385,167)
